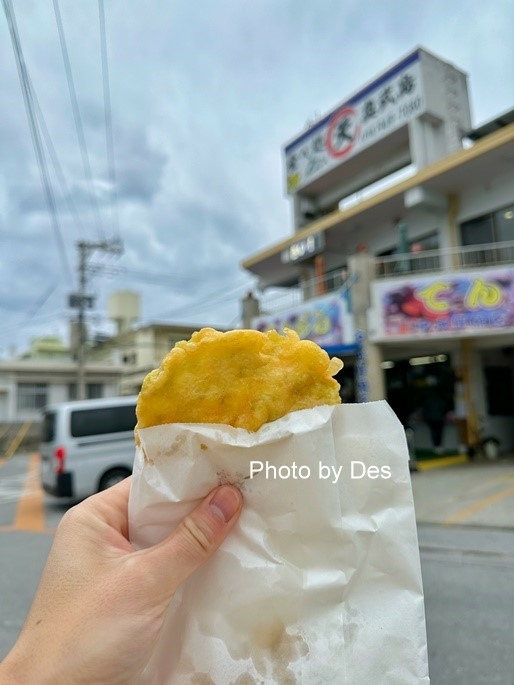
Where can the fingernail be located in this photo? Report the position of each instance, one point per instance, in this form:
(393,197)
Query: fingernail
(225,502)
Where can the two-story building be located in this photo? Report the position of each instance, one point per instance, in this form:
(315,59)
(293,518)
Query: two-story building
(402,255)
(116,364)
(138,350)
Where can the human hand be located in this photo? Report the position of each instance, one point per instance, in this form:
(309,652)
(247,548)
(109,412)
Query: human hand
(99,609)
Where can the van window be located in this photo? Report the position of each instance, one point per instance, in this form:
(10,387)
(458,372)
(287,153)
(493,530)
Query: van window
(86,422)
(48,426)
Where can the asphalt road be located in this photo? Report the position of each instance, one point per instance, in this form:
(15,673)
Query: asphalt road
(468,575)
(468,579)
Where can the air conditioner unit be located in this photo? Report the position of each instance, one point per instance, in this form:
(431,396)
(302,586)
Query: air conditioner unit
(423,198)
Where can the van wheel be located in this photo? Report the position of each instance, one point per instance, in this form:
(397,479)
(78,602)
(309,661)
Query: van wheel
(112,477)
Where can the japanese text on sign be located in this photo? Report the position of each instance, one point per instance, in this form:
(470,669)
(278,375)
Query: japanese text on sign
(440,305)
(323,320)
(380,109)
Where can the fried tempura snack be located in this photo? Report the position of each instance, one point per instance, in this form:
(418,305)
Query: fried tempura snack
(243,378)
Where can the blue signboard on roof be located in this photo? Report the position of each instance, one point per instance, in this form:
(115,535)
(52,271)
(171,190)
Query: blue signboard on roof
(374,112)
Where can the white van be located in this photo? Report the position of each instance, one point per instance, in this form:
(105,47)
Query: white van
(87,446)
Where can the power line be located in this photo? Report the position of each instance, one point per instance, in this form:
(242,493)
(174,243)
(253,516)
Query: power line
(109,138)
(55,160)
(36,320)
(167,278)
(203,304)
(34,131)
(77,118)
(40,303)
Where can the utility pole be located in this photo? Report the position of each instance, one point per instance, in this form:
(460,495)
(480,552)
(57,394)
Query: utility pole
(82,301)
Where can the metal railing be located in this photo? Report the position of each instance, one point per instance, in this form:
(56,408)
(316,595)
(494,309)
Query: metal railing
(330,282)
(445,259)
(418,263)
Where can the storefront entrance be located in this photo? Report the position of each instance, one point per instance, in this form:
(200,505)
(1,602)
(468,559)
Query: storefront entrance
(421,391)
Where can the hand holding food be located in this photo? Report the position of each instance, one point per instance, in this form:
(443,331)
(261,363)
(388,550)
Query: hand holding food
(100,607)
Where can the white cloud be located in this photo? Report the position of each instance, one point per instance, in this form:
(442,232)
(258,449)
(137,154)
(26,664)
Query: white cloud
(204,95)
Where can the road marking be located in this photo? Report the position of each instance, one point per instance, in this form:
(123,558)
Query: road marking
(30,513)
(16,441)
(477,506)
(442,462)
(11,487)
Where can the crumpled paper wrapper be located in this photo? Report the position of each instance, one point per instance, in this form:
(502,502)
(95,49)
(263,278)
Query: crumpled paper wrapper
(319,582)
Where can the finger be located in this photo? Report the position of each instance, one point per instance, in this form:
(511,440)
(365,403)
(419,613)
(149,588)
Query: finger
(195,540)
(111,506)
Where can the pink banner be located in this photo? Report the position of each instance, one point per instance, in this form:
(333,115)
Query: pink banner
(449,302)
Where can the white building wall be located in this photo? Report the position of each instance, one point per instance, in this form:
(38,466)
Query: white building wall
(382,237)
(493,193)
(145,347)
(111,390)
(7,397)
(57,383)
(58,393)
(4,402)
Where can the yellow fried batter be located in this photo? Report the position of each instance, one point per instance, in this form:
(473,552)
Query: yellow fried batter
(242,378)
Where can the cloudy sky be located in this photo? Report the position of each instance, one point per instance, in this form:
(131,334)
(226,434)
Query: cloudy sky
(203,95)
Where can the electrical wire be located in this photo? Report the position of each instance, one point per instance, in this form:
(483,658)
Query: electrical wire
(35,320)
(203,304)
(68,198)
(109,138)
(41,301)
(78,120)
(31,103)
(35,135)
(167,279)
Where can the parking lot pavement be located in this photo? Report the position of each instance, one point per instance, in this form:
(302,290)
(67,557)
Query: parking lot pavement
(26,533)
(27,523)
(22,500)
(469,493)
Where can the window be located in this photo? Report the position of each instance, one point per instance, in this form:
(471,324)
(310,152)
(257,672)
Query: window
(429,241)
(94,391)
(48,427)
(31,396)
(504,224)
(477,231)
(494,227)
(410,257)
(119,419)
(499,390)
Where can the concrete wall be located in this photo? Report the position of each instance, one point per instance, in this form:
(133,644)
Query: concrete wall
(488,195)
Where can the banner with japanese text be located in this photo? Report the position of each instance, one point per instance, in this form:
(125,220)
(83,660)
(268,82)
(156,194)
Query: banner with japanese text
(374,112)
(449,302)
(325,320)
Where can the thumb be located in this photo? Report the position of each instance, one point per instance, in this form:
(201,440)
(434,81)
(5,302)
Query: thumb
(195,540)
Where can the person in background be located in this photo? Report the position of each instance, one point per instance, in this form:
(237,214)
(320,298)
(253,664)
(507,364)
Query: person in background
(435,408)
(460,413)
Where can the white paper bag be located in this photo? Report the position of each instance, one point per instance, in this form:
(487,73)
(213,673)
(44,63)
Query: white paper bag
(320,581)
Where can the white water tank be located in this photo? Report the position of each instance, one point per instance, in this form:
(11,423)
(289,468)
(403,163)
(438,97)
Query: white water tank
(124,307)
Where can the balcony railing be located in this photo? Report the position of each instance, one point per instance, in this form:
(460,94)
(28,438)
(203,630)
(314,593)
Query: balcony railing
(427,261)
(330,282)
(445,259)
